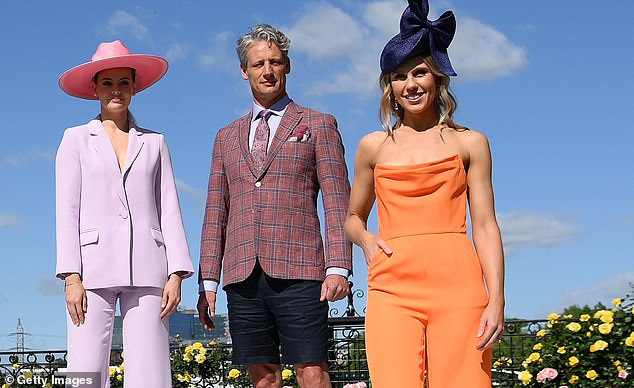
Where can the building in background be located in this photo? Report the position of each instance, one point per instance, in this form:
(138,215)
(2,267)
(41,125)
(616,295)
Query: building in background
(185,328)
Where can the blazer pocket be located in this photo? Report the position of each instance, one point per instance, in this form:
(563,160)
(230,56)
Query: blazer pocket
(87,237)
(158,236)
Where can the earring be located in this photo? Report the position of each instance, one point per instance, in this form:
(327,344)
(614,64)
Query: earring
(396,105)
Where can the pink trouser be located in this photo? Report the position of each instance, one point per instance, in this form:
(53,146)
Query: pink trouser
(145,337)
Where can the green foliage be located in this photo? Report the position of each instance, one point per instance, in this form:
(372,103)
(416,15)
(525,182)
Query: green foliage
(585,347)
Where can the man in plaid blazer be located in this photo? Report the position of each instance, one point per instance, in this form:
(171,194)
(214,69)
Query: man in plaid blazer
(261,225)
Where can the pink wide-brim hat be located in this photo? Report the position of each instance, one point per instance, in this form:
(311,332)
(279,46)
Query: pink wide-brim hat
(109,55)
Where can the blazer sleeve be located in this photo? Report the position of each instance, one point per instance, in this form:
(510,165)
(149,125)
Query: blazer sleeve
(177,250)
(67,200)
(212,241)
(335,189)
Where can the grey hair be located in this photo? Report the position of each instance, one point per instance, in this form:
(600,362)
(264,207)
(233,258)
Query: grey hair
(261,32)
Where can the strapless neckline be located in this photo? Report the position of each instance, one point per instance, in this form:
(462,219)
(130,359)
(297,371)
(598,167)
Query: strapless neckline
(414,166)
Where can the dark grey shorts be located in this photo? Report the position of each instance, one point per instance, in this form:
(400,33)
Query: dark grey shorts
(270,316)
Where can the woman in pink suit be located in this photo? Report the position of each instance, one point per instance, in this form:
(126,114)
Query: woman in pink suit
(120,235)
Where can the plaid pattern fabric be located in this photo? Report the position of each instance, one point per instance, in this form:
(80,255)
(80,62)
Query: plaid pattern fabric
(271,214)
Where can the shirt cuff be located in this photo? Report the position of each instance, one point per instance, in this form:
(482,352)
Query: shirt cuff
(208,285)
(337,271)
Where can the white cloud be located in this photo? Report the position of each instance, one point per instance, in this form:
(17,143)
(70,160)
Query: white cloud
(177,51)
(15,161)
(188,189)
(122,21)
(533,229)
(220,54)
(604,291)
(49,285)
(481,52)
(7,220)
(325,31)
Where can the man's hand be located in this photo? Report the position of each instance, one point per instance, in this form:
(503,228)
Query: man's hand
(206,308)
(335,287)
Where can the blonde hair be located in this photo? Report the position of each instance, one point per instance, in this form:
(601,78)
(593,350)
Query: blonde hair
(391,116)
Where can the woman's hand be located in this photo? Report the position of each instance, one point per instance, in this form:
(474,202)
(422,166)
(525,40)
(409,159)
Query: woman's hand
(371,244)
(491,325)
(76,300)
(171,295)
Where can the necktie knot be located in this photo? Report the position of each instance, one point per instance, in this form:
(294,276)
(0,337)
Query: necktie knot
(265,114)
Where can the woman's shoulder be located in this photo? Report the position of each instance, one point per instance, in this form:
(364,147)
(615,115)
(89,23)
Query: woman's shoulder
(468,138)
(373,140)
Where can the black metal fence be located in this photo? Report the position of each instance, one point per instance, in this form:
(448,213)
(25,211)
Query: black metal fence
(346,356)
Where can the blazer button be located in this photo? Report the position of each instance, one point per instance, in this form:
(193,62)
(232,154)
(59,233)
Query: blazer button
(258,184)
(123,214)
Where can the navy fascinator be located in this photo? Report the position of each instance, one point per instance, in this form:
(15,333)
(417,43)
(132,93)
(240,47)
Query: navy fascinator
(420,36)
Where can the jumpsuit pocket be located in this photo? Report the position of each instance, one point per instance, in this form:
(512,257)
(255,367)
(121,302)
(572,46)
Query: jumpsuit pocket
(88,237)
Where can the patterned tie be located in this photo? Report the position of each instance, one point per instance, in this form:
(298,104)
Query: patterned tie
(261,141)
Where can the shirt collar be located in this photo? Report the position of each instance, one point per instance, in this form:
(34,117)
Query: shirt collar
(278,108)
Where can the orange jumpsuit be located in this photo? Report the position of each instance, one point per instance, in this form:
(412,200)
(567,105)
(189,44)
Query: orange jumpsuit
(426,299)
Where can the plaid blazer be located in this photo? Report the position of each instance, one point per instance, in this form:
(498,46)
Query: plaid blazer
(271,215)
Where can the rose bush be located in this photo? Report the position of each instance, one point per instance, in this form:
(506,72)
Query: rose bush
(592,349)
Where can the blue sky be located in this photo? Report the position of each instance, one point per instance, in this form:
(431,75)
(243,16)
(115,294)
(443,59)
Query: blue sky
(548,82)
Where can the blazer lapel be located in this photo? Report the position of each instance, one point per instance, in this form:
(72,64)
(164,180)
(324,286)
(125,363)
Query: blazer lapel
(244,126)
(103,146)
(135,143)
(290,120)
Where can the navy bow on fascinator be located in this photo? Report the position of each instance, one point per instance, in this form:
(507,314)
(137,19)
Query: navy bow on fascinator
(420,36)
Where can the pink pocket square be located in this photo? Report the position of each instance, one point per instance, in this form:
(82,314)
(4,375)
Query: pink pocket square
(302,133)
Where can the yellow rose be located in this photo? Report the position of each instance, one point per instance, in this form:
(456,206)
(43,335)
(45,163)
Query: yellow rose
(572,361)
(234,373)
(573,326)
(561,350)
(588,334)
(553,316)
(200,358)
(541,333)
(605,328)
(197,345)
(533,357)
(202,351)
(608,317)
(525,377)
(187,377)
(629,341)
(619,368)
(584,318)
(599,345)
(189,349)
(286,374)
(591,374)
(617,363)
(121,368)
(598,314)
(538,346)
(112,371)
(573,379)
(617,302)
(212,344)
(188,357)
(119,377)
(632,310)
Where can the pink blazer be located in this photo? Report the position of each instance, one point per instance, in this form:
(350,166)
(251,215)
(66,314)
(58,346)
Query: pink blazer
(118,228)
(272,215)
